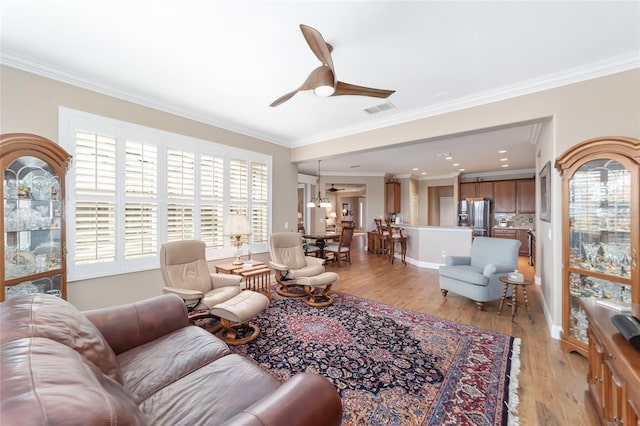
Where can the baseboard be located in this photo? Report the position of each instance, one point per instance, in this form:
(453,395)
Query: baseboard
(554,330)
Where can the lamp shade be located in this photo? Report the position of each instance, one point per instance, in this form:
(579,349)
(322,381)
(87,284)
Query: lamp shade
(239,224)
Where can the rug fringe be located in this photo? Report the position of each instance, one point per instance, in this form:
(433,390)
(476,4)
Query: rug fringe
(514,399)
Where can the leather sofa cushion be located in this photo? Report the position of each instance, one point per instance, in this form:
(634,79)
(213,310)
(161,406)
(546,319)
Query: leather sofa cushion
(39,315)
(155,365)
(46,381)
(219,390)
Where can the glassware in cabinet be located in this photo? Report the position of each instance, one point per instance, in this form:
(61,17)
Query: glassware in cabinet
(600,200)
(33,215)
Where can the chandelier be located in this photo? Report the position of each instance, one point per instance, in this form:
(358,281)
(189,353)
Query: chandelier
(320,202)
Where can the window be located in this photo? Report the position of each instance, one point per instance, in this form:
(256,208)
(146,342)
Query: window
(131,188)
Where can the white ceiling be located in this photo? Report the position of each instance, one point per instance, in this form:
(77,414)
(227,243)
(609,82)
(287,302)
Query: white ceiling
(224,62)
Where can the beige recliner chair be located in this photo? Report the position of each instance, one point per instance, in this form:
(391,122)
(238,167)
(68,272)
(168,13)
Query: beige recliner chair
(185,273)
(299,275)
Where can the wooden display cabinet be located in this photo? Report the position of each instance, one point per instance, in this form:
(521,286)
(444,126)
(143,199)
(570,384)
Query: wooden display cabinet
(601,229)
(33,209)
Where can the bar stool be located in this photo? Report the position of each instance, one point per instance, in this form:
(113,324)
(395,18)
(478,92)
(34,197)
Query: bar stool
(383,237)
(401,239)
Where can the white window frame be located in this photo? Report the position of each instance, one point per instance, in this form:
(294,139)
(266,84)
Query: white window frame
(71,120)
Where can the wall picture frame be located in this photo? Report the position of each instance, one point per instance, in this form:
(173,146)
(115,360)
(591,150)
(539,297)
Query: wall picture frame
(544,179)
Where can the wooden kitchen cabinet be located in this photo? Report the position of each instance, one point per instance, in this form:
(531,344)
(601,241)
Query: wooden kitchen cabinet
(467,190)
(505,196)
(508,233)
(526,196)
(484,190)
(392,196)
(521,234)
(476,190)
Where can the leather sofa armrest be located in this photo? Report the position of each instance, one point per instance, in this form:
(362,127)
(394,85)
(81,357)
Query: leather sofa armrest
(304,400)
(128,326)
(457,260)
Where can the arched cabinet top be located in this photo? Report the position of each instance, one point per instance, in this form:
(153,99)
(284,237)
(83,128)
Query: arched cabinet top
(19,144)
(629,147)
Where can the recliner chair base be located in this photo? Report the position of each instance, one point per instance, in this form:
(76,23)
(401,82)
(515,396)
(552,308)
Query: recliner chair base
(232,334)
(290,289)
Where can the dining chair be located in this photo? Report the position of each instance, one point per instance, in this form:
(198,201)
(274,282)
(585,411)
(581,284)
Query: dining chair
(343,247)
(310,248)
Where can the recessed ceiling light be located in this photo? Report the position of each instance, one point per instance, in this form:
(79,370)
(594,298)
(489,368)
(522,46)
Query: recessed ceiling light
(504,159)
(415,169)
(456,164)
(423,173)
(448,158)
(505,165)
(461,170)
(502,151)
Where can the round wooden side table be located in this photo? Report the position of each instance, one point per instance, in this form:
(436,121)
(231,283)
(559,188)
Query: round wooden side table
(514,296)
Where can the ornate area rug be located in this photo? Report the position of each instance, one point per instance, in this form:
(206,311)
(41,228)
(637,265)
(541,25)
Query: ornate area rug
(392,366)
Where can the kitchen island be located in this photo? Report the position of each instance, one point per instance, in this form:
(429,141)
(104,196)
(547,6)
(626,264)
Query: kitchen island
(427,246)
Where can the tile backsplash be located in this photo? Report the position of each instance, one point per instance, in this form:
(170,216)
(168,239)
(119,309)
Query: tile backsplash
(516,220)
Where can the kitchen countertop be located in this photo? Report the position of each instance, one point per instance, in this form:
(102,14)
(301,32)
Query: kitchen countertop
(514,227)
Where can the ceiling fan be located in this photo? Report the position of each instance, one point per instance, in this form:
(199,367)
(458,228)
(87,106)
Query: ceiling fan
(322,80)
(333,189)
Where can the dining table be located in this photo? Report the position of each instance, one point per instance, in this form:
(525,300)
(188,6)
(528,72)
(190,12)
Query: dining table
(321,239)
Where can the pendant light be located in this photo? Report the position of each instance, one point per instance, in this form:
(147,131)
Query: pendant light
(320,202)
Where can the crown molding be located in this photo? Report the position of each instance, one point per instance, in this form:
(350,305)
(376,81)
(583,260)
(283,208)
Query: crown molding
(38,68)
(575,75)
(586,72)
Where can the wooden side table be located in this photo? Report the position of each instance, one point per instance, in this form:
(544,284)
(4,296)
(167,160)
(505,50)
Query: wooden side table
(256,278)
(514,296)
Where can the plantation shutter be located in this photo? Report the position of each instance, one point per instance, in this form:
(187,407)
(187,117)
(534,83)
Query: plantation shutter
(180,192)
(95,185)
(211,200)
(141,192)
(259,200)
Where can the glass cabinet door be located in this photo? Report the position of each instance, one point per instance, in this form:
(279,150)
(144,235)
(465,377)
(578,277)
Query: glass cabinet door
(601,204)
(599,237)
(32,220)
(32,216)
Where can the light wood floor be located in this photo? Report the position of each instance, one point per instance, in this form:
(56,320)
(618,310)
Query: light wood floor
(552,382)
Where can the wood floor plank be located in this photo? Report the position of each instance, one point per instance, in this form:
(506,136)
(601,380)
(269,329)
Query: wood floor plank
(552,382)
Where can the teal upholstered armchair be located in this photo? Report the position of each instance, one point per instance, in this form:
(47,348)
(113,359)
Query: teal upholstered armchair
(476,276)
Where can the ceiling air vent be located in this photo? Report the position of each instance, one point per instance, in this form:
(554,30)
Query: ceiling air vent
(379,108)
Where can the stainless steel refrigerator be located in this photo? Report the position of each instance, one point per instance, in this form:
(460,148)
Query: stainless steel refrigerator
(475,213)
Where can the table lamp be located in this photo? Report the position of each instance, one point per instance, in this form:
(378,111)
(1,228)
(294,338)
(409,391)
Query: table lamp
(238,226)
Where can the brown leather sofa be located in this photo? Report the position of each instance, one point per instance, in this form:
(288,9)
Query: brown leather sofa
(139,364)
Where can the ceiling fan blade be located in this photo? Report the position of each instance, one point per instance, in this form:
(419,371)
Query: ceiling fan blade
(318,77)
(352,89)
(284,98)
(317,44)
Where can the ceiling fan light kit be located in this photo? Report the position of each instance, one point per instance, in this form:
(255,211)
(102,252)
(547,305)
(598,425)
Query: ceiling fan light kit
(322,80)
